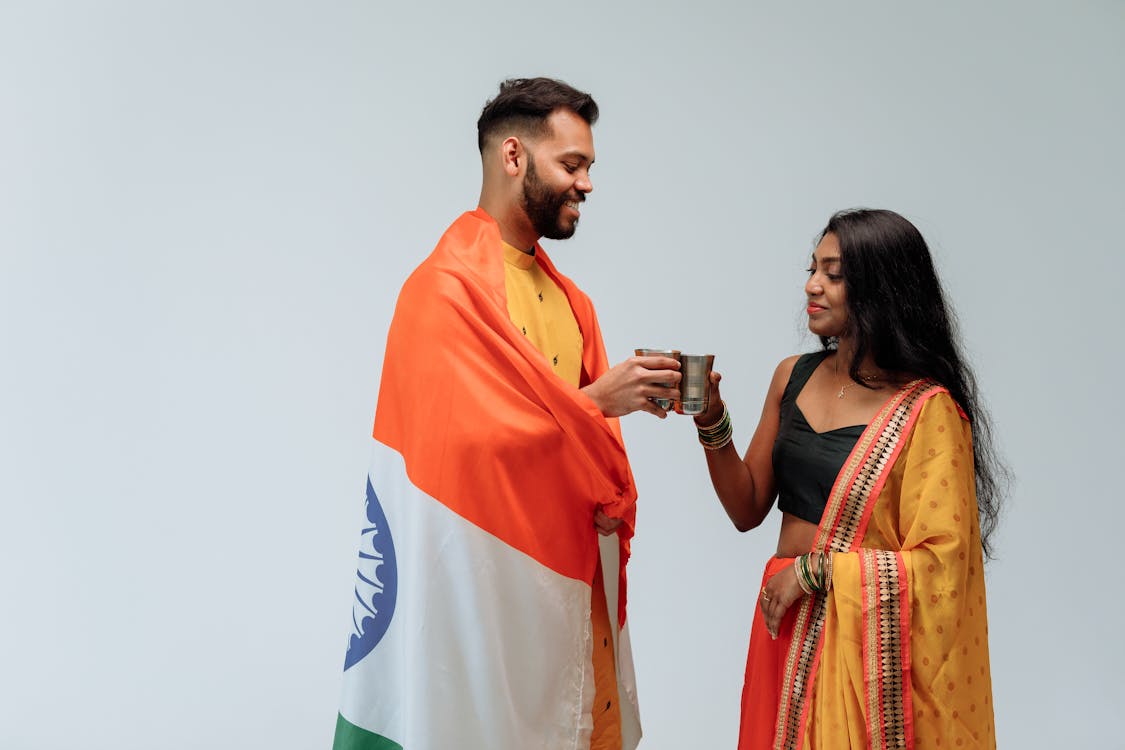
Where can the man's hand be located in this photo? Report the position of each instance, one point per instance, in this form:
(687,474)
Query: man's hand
(604,523)
(631,386)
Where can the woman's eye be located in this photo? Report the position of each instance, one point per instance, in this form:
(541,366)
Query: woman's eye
(831,276)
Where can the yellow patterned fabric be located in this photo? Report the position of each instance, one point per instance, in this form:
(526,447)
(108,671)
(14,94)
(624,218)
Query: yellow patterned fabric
(541,310)
(903,657)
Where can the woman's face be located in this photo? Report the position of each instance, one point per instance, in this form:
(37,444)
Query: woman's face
(827,299)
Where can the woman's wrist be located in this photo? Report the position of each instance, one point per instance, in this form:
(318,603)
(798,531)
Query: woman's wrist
(814,572)
(715,434)
(711,418)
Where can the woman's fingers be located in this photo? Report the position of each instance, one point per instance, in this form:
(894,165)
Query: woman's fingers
(771,611)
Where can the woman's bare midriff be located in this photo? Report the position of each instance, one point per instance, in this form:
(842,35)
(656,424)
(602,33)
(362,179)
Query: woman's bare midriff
(797,536)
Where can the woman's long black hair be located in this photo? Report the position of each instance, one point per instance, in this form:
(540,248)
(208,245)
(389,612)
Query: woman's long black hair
(897,313)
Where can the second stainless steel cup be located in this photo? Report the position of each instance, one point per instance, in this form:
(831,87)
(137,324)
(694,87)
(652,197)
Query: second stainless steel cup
(695,383)
(663,403)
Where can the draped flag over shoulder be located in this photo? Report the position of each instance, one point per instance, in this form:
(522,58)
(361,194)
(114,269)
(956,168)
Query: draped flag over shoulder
(472,602)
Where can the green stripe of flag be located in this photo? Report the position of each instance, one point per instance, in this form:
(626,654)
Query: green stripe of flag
(351,737)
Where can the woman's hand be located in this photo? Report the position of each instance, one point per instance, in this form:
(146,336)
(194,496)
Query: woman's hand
(714,404)
(777,597)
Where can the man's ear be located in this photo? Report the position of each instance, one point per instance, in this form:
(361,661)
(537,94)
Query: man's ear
(513,156)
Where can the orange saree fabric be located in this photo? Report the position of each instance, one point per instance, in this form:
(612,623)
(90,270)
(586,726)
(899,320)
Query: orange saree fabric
(895,655)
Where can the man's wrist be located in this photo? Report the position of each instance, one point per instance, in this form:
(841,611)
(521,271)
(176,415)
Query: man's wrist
(591,392)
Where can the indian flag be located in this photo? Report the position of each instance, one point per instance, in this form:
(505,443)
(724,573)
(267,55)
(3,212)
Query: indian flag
(471,615)
(460,640)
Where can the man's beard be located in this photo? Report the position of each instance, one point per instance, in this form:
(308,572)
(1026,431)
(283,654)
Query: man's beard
(543,207)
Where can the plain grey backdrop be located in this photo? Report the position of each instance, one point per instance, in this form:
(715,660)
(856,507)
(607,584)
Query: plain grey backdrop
(207,209)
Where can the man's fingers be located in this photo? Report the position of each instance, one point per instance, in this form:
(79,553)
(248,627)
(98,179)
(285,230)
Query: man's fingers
(642,374)
(670,377)
(657,363)
(604,523)
(655,390)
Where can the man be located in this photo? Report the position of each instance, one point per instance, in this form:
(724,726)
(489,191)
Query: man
(482,616)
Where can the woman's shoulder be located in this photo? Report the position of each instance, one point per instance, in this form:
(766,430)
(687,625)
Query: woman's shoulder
(784,369)
(794,367)
(785,366)
(800,362)
(936,412)
(936,397)
(799,366)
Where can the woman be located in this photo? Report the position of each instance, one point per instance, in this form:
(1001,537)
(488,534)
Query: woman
(870,629)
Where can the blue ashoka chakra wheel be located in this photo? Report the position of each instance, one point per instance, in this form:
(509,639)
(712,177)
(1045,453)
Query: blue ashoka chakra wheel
(376,587)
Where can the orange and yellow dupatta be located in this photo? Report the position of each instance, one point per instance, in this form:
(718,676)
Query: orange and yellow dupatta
(895,655)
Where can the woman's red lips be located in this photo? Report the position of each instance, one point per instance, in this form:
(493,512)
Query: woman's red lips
(814,308)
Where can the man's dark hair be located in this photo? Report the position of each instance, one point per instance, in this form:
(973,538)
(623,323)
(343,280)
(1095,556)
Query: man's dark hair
(524,104)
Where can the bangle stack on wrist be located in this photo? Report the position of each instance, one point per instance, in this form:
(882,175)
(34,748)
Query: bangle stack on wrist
(719,435)
(814,579)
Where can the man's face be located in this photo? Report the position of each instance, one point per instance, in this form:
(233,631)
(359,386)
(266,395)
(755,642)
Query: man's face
(558,175)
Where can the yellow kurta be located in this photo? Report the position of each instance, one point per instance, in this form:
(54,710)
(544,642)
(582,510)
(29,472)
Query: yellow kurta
(540,309)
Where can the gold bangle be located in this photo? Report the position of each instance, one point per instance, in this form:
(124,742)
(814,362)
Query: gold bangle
(724,415)
(717,446)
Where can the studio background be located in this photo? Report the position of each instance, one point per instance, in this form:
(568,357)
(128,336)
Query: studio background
(207,209)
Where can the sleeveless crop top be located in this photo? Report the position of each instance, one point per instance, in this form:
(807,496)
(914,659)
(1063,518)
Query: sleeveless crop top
(806,462)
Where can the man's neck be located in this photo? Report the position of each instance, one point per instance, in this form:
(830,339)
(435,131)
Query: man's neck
(516,231)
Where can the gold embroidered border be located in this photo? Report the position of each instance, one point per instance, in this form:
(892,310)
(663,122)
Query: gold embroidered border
(852,491)
(886,701)
(841,490)
(798,668)
(849,500)
(869,577)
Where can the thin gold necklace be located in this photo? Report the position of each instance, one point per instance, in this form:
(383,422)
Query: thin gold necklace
(850,383)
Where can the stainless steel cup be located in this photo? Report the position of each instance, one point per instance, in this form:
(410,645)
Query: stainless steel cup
(663,403)
(695,383)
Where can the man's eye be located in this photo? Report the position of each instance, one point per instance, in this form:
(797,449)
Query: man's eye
(571,167)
